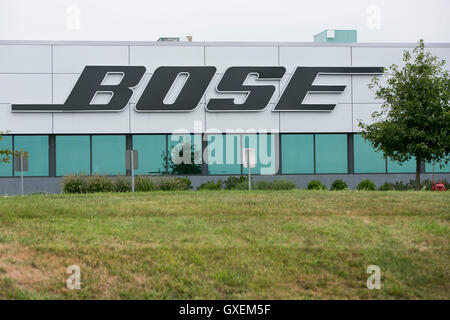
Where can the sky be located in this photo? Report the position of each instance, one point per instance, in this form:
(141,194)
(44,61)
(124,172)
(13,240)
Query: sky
(224,20)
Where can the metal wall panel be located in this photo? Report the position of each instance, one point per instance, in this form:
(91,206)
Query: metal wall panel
(25,77)
(92,122)
(25,59)
(377,57)
(137,91)
(166,122)
(25,88)
(153,57)
(292,57)
(363,112)
(338,120)
(325,79)
(62,86)
(443,53)
(361,91)
(19,123)
(73,59)
(240,97)
(224,57)
(173,92)
(243,121)
(386,56)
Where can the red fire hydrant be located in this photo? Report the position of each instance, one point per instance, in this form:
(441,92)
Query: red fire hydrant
(438,187)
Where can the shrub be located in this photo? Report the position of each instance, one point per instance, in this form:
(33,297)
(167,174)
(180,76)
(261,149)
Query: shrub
(279,184)
(100,184)
(339,185)
(402,186)
(315,185)
(74,184)
(211,185)
(172,184)
(366,185)
(167,185)
(411,185)
(232,182)
(185,181)
(445,183)
(282,184)
(244,186)
(122,184)
(426,185)
(387,186)
(398,186)
(144,184)
(262,185)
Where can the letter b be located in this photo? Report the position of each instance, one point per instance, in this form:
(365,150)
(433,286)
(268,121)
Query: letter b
(90,83)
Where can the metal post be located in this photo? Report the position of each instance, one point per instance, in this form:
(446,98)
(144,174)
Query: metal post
(249,170)
(132,170)
(21,171)
(432,179)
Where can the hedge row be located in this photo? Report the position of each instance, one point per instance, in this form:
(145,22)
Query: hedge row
(241,183)
(368,185)
(91,184)
(401,186)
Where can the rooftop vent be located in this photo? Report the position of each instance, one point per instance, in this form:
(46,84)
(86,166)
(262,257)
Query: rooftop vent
(332,35)
(176,39)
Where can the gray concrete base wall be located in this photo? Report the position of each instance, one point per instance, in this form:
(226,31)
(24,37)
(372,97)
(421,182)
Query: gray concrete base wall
(11,186)
(352,180)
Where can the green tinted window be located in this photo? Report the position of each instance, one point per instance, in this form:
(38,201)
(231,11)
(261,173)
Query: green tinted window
(108,155)
(264,145)
(37,149)
(181,162)
(396,167)
(152,149)
(6,168)
(297,153)
(73,155)
(331,153)
(224,154)
(437,167)
(251,141)
(267,154)
(367,159)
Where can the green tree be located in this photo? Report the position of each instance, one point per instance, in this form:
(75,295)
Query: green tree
(414,120)
(5,155)
(179,163)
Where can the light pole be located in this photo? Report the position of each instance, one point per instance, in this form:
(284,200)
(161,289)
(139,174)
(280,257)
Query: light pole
(21,165)
(132,163)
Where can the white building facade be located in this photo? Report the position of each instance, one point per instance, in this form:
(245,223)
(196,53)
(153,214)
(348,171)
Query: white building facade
(299,144)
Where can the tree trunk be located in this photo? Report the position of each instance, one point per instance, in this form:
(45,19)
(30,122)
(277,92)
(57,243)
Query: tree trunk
(418,162)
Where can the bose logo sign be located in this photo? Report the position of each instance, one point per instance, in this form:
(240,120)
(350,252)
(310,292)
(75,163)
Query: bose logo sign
(91,79)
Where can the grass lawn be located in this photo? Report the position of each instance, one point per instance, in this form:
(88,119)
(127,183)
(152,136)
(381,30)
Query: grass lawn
(226,245)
